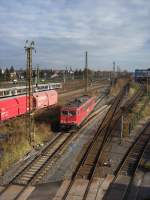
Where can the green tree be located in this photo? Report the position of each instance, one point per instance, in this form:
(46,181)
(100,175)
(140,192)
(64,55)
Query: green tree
(80,72)
(1,75)
(12,70)
(7,74)
(41,73)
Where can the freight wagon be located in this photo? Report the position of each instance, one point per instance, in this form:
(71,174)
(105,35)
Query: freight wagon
(75,112)
(16,106)
(12,107)
(44,99)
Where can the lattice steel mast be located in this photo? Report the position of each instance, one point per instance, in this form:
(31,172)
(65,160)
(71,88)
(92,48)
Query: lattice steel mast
(29,47)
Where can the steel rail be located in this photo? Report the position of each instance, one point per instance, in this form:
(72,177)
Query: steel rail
(110,115)
(130,162)
(44,150)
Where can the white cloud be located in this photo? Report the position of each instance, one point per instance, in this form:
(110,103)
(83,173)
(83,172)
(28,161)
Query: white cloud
(63,30)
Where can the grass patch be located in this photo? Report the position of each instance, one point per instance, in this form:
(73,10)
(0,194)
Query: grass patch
(17,145)
(115,89)
(134,87)
(140,111)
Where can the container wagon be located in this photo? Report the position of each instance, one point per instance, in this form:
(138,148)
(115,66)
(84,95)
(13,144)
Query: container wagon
(75,112)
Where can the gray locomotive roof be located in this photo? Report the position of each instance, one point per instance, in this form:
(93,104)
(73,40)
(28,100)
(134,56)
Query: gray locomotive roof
(78,101)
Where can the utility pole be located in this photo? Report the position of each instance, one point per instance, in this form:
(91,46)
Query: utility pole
(147,84)
(37,76)
(122,119)
(114,66)
(113,73)
(64,76)
(86,72)
(122,125)
(29,47)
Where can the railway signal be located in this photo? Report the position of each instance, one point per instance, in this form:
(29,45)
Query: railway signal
(29,47)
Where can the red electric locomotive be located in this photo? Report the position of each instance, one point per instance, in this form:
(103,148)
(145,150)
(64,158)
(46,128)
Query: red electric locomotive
(75,112)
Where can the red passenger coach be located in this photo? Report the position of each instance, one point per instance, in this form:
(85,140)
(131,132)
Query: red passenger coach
(74,113)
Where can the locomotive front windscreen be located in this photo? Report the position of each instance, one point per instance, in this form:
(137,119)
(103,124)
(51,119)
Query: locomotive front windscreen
(64,112)
(70,113)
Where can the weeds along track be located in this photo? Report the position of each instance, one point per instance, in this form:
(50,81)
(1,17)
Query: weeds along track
(120,187)
(23,178)
(37,164)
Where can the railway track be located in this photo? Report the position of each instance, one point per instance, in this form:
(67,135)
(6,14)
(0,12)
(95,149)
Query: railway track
(124,175)
(86,168)
(29,173)
(88,163)
(37,168)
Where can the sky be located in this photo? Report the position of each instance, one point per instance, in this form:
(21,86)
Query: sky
(110,30)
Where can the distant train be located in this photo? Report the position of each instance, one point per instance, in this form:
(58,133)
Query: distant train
(141,74)
(75,112)
(20,90)
(15,106)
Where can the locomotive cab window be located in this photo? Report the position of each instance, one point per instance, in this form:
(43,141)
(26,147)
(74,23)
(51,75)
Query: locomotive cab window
(72,113)
(64,112)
